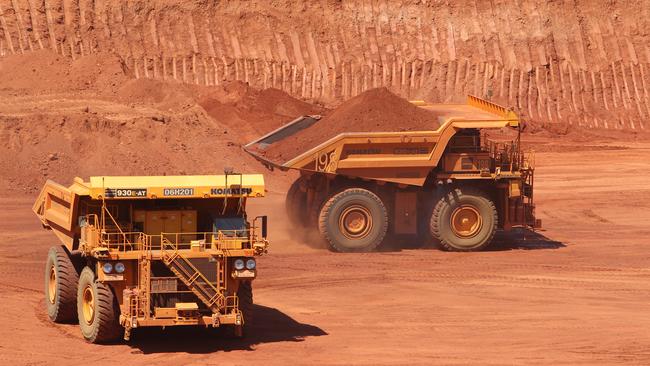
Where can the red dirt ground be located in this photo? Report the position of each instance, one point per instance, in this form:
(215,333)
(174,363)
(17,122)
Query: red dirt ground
(575,293)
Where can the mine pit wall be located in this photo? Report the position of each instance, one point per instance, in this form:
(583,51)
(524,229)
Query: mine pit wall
(585,63)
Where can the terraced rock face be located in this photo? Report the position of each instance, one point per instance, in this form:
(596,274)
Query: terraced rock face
(582,63)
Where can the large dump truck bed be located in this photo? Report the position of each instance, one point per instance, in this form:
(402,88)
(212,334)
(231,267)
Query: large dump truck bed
(403,157)
(57,206)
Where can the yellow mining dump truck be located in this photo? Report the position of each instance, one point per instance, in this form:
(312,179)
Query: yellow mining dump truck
(450,185)
(152,251)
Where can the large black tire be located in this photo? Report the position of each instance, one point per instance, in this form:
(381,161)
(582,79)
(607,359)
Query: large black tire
(354,220)
(465,219)
(61,280)
(245,295)
(296,204)
(425,237)
(99,321)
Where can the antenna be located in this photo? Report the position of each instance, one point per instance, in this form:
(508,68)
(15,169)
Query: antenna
(241,192)
(519,156)
(226,171)
(103,205)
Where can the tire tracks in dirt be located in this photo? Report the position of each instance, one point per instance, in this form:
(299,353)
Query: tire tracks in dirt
(464,279)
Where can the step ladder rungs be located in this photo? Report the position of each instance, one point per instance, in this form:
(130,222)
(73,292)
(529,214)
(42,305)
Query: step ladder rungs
(172,258)
(214,299)
(188,274)
(193,278)
(179,270)
(207,291)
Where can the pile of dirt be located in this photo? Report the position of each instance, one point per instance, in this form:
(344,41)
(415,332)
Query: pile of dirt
(61,146)
(252,112)
(61,118)
(374,110)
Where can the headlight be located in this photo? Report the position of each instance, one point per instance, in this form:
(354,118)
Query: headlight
(107,267)
(250,264)
(119,267)
(239,264)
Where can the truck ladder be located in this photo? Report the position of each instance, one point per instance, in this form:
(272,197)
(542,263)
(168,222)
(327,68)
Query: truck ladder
(527,197)
(221,276)
(144,278)
(193,279)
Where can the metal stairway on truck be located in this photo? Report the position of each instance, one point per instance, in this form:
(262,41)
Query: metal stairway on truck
(207,292)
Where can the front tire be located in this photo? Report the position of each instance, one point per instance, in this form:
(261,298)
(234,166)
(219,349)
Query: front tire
(296,204)
(354,220)
(245,296)
(97,309)
(465,219)
(61,280)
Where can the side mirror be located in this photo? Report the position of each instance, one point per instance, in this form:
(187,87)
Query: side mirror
(264,227)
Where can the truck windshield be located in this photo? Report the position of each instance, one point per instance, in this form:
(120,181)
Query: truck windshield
(230,226)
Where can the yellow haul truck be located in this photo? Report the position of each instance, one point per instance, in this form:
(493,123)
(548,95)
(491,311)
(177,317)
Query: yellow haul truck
(451,185)
(151,251)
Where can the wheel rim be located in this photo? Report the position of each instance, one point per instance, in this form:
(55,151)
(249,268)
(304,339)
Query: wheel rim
(88,306)
(466,221)
(355,222)
(51,285)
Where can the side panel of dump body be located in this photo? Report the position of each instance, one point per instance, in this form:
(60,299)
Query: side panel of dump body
(397,157)
(56,207)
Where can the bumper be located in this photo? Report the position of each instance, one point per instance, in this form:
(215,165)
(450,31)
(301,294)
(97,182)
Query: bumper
(216,320)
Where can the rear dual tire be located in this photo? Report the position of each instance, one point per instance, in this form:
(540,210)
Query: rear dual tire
(61,280)
(70,296)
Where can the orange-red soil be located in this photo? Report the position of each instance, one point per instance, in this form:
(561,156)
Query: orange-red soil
(575,293)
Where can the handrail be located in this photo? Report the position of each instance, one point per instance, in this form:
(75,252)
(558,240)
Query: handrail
(116,224)
(121,240)
(223,239)
(506,154)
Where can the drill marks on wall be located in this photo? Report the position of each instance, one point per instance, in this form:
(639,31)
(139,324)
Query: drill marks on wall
(34,22)
(69,40)
(635,87)
(23,39)
(512,55)
(646,100)
(9,28)
(6,33)
(85,25)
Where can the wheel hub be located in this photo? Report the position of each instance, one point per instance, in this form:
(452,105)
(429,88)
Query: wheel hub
(51,285)
(355,222)
(88,304)
(466,221)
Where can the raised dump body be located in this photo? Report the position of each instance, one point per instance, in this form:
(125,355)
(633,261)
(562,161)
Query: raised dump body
(151,251)
(403,176)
